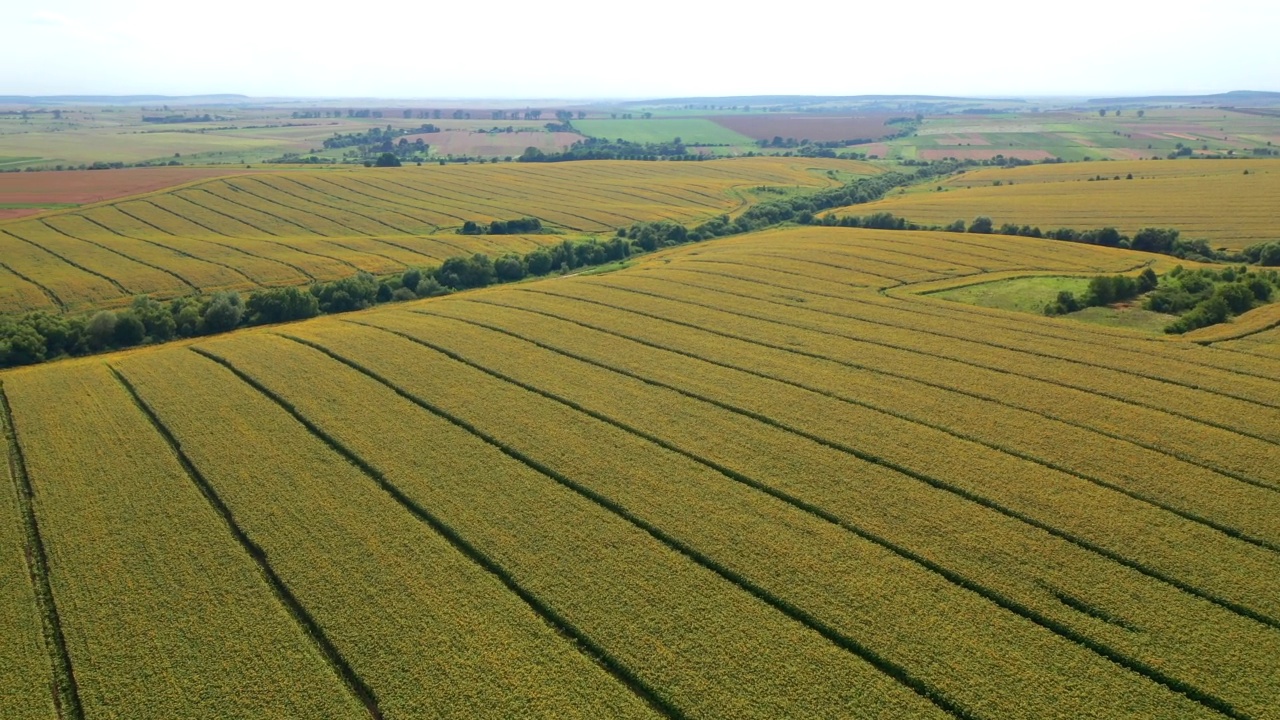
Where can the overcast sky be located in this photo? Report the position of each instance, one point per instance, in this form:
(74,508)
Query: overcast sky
(580,49)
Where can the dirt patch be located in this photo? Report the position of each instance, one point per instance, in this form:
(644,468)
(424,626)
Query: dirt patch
(808,126)
(878,149)
(10,213)
(87,186)
(981,154)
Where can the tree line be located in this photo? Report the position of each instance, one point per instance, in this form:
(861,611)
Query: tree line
(37,337)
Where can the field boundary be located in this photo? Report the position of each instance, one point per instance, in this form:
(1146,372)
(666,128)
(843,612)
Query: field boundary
(882,343)
(553,619)
(65,691)
(951,576)
(998,507)
(837,638)
(312,629)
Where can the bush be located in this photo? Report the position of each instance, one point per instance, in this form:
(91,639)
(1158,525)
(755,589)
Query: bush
(281,305)
(101,330)
(981,224)
(129,330)
(223,313)
(508,268)
(410,279)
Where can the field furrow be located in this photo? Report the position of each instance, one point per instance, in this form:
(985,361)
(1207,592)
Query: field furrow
(1219,449)
(72,284)
(27,658)
(1241,416)
(699,640)
(383,211)
(170,257)
(19,294)
(181,210)
(164,614)
(428,630)
(271,216)
(764,540)
(126,275)
(1120,358)
(1240,509)
(358,221)
(966,542)
(1084,334)
(1161,542)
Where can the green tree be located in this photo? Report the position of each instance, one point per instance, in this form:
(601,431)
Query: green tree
(387,159)
(129,330)
(223,313)
(981,224)
(101,330)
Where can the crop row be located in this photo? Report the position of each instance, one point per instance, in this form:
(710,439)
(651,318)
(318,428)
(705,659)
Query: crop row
(164,615)
(954,535)
(987,661)
(1198,494)
(1096,336)
(690,636)
(32,651)
(1234,210)
(291,227)
(1220,449)
(425,628)
(1019,484)
(1253,418)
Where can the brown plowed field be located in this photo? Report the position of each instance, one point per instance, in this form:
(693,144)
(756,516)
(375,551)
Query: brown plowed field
(86,186)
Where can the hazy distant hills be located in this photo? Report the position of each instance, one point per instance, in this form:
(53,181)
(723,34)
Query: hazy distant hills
(1235,97)
(224,99)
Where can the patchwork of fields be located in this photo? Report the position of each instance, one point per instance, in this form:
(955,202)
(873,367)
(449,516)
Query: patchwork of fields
(292,227)
(1217,200)
(753,477)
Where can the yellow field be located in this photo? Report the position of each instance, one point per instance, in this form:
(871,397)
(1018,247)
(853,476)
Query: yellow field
(292,227)
(761,476)
(1212,199)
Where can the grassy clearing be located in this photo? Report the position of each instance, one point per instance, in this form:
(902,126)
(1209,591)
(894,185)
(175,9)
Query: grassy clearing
(1029,294)
(1129,317)
(693,131)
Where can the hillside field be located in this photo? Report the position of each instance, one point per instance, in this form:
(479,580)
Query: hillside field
(760,476)
(291,227)
(1229,202)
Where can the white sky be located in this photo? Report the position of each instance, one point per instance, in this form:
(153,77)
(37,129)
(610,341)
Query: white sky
(655,48)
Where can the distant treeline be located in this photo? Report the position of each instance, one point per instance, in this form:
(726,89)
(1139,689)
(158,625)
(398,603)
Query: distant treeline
(173,119)
(603,149)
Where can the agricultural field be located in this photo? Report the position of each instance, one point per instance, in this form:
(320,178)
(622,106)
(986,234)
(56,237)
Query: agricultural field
(770,475)
(808,126)
(477,143)
(290,227)
(31,193)
(1228,202)
(1080,135)
(692,131)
